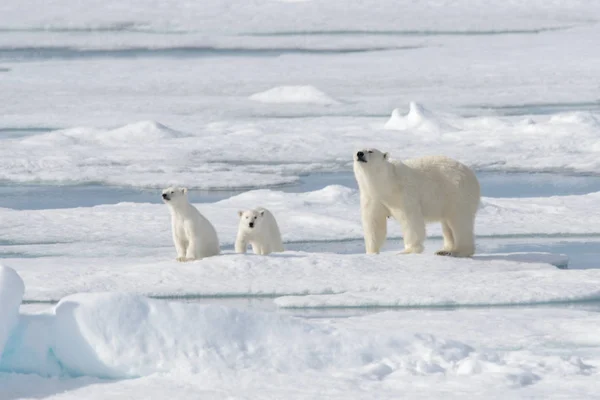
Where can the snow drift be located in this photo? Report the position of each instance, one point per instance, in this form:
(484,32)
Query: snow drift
(293,94)
(418,118)
(117,335)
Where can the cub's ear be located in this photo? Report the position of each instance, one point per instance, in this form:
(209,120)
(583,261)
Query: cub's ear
(240,212)
(184,190)
(262,212)
(386,155)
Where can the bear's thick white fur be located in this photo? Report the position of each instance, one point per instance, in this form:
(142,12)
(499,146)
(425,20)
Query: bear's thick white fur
(194,236)
(259,228)
(416,192)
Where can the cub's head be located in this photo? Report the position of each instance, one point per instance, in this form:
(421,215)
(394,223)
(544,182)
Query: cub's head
(251,219)
(174,194)
(369,157)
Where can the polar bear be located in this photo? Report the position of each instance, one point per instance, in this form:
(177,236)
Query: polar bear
(415,192)
(259,228)
(194,236)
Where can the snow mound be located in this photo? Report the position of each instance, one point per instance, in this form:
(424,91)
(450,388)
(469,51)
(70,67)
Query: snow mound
(117,335)
(123,335)
(143,131)
(418,118)
(293,94)
(29,349)
(11,294)
(139,132)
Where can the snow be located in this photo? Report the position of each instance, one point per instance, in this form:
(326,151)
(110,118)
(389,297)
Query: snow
(558,260)
(293,94)
(113,335)
(152,155)
(11,294)
(111,68)
(335,280)
(169,347)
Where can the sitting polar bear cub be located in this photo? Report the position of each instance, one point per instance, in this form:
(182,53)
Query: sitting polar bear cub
(194,235)
(415,192)
(259,228)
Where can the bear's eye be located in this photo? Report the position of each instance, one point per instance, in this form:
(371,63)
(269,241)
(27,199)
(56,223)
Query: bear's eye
(172,192)
(370,151)
(254,217)
(246,217)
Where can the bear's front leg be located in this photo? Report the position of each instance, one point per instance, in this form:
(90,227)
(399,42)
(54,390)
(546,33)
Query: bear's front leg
(258,249)
(374,221)
(241,244)
(180,246)
(192,250)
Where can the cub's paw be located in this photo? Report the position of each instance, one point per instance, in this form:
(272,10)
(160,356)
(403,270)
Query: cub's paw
(445,253)
(181,259)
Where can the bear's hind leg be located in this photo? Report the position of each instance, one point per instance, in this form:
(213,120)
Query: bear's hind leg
(463,233)
(448,240)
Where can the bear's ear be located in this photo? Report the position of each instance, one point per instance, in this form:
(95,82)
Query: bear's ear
(262,212)
(184,190)
(386,155)
(240,212)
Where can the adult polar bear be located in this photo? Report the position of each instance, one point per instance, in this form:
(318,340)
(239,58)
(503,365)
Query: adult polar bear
(415,192)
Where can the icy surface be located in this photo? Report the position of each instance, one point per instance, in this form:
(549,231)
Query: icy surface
(330,214)
(354,280)
(265,15)
(11,294)
(558,260)
(266,152)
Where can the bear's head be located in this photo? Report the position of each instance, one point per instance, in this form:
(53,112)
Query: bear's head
(251,219)
(372,157)
(173,195)
(370,165)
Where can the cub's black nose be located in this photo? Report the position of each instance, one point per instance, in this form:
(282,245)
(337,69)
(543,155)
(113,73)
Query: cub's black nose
(164,196)
(360,154)
(251,224)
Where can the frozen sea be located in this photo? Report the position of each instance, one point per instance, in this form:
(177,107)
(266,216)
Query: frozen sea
(262,103)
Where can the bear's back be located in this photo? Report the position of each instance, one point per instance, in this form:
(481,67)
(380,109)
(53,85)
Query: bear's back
(442,181)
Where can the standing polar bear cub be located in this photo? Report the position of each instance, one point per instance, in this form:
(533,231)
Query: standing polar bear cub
(194,235)
(259,228)
(415,192)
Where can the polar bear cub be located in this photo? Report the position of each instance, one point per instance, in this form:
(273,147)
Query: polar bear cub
(259,228)
(415,192)
(194,236)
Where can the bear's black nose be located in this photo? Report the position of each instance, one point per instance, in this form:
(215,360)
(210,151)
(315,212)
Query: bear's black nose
(360,154)
(251,224)
(164,196)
